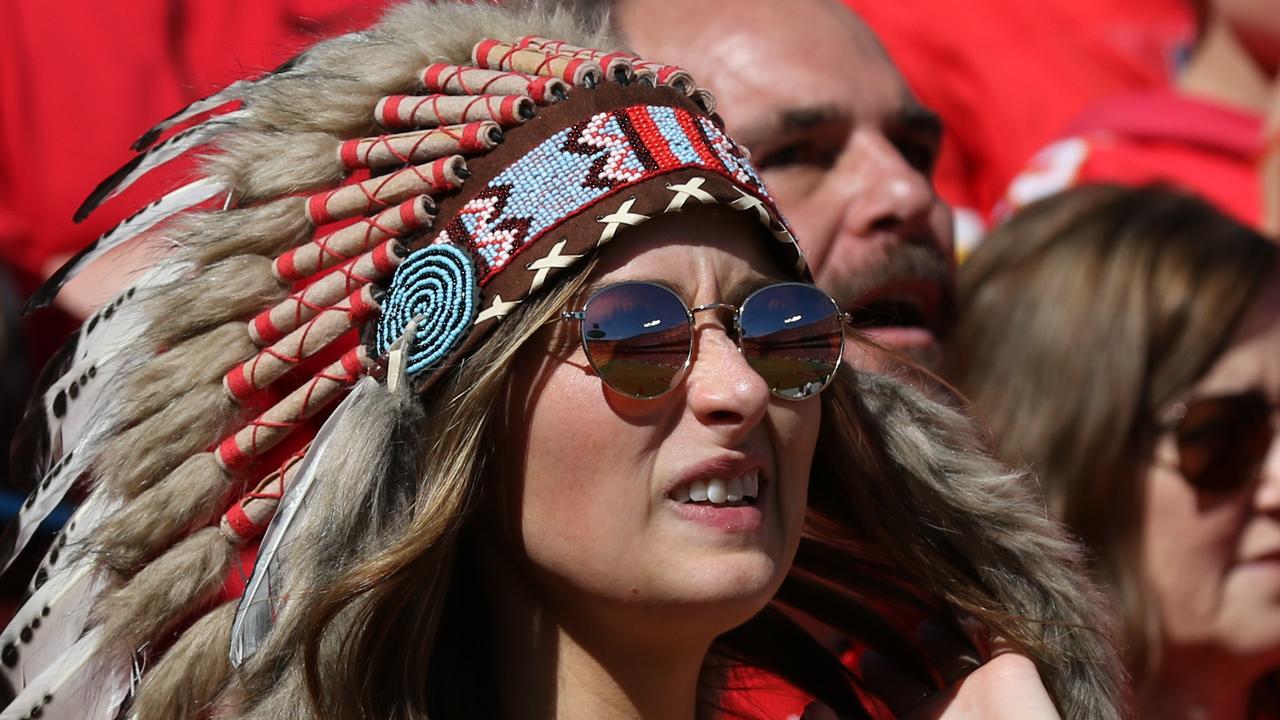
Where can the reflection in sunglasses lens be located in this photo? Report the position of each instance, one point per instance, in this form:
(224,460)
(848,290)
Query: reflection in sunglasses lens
(1223,440)
(637,337)
(792,336)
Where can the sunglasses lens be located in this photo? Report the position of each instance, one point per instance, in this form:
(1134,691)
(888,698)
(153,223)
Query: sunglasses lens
(792,335)
(1222,440)
(637,337)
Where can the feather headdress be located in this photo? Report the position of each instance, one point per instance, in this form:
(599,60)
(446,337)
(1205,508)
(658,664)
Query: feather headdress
(392,193)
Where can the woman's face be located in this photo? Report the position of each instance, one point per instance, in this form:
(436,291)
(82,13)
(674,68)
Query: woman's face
(1212,559)
(592,509)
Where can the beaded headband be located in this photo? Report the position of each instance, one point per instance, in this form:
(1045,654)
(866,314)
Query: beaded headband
(185,406)
(522,221)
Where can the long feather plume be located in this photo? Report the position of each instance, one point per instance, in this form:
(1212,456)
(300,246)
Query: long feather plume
(68,392)
(235,92)
(174,147)
(115,325)
(77,687)
(50,622)
(172,203)
(34,445)
(256,613)
(64,589)
(42,501)
(77,409)
(231,93)
(70,543)
(63,592)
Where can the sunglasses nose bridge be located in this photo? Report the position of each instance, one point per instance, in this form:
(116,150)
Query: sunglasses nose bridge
(733,309)
(730,326)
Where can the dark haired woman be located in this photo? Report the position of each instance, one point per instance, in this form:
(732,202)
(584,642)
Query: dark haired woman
(1125,344)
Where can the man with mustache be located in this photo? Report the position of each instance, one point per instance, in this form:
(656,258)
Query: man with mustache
(848,152)
(842,143)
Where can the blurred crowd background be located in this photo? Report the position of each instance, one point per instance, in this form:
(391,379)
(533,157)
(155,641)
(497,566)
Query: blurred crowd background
(1067,208)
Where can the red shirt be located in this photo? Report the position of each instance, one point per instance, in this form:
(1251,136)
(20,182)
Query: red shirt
(1204,147)
(80,81)
(1007,75)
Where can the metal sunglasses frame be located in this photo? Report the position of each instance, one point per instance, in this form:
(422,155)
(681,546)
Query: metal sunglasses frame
(580,315)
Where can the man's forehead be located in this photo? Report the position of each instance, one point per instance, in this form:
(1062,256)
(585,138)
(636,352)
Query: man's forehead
(785,27)
(884,102)
(813,56)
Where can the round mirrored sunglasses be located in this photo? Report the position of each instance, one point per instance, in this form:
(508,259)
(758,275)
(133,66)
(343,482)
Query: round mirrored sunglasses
(638,336)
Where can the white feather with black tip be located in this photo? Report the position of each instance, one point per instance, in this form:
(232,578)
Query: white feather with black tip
(42,501)
(80,685)
(115,325)
(50,622)
(75,377)
(238,91)
(225,96)
(168,205)
(79,408)
(259,606)
(62,594)
(158,155)
(68,545)
(88,390)
(68,402)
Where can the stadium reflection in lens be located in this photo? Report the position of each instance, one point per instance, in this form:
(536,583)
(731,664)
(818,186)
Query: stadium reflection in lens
(638,337)
(791,333)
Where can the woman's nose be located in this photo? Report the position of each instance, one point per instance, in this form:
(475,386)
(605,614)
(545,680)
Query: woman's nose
(1267,497)
(722,388)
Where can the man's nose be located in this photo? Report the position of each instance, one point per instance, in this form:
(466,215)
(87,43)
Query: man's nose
(885,195)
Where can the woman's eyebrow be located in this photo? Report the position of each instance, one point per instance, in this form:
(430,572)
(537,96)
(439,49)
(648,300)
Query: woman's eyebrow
(600,284)
(735,293)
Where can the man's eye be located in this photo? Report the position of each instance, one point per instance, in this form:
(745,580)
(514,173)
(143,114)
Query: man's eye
(795,154)
(918,155)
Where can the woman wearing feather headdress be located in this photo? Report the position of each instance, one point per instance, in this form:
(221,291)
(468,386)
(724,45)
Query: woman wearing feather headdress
(597,451)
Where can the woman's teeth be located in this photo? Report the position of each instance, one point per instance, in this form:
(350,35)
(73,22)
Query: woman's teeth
(719,491)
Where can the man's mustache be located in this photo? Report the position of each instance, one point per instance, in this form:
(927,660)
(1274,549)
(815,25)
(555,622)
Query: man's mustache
(908,262)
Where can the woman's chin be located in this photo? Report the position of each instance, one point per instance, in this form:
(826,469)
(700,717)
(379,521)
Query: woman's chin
(726,590)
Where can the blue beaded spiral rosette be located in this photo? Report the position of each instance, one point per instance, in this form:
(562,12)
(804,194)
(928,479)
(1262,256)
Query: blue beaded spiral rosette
(435,285)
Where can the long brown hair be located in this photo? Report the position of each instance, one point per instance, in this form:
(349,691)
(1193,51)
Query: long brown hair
(1080,319)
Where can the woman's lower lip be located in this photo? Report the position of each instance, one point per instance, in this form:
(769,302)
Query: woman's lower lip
(743,519)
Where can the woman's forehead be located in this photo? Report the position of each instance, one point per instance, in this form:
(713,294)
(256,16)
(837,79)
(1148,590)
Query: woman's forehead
(1251,361)
(703,245)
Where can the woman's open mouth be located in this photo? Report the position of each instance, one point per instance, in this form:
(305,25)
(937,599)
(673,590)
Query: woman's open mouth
(738,491)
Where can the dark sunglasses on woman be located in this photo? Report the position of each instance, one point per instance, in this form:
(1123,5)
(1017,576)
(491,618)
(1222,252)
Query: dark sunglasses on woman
(638,336)
(1223,441)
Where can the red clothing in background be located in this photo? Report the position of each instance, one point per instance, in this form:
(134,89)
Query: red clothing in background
(1007,75)
(80,81)
(1204,147)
